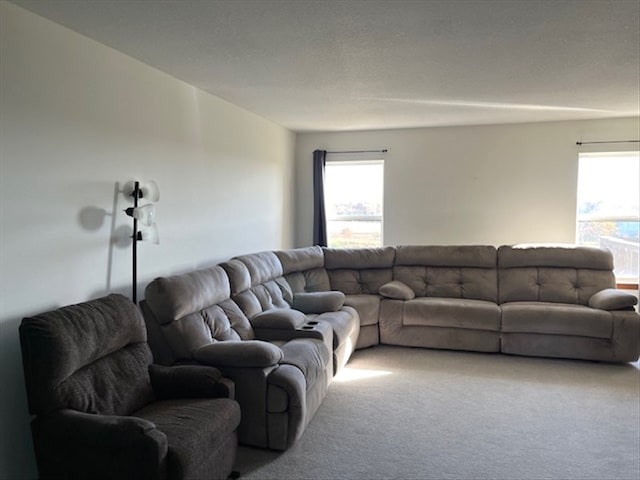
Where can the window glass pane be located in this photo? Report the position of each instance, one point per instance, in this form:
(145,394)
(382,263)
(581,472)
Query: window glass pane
(608,184)
(353,202)
(609,208)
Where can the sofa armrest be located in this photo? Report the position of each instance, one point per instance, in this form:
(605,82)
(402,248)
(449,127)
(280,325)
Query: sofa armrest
(318,302)
(189,381)
(396,290)
(278,318)
(85,445)
(244,353)
(612,299)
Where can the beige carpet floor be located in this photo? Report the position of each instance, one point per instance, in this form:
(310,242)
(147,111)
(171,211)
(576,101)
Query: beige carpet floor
(404,413)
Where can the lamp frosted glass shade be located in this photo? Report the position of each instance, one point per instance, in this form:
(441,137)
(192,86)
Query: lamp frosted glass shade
(128,189)
(149,234)
(145,214)
(148,190)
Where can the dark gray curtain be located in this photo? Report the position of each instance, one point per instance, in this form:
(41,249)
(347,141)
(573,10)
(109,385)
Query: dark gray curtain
(319,217)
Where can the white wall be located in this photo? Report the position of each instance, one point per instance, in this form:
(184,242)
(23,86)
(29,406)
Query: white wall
(495,185)
(78,119)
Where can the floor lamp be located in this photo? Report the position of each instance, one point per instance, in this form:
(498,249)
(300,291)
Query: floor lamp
(144,215)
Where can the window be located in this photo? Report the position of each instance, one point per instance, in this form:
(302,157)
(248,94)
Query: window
(353,203)
(609,208)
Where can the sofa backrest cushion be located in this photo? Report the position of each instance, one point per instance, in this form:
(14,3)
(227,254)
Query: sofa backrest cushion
(300,259)
(466,271)
(359,271)
(195,309)
(239,276)
(171,298)
(262,266)
(257,282)
(563,274)
(304,270)
(91,357)
(314,280)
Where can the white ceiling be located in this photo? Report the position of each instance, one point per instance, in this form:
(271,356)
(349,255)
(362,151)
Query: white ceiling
(334,65)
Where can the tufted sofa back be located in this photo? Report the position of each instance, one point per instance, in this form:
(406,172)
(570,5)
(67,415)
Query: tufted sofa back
(359,271)
(448,271)
(91,357)
(257,283)
(563,274)
(195,309)
(304,269)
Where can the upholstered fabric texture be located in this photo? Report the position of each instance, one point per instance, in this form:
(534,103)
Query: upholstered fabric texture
(359,271)
(91,357)
(553,274)
(91,385)
(612,299)
(246,354)
(191,426)
(256,282)
(315,280)
(318,302)
(177,296)
(397,290)
(72,444)
(279,318)
(189,381)
(468,256)
(310,357)
(301,259)
(448,271)
(262,266)
(358,258)
(195,309)
(452,313)
(556,257)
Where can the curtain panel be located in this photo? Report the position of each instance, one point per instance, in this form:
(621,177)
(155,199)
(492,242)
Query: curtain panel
(319,216)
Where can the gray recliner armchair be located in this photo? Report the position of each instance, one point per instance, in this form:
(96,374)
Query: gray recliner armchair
(103,410)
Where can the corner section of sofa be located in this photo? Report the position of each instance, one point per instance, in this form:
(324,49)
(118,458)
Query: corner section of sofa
(359,274)
(308,289)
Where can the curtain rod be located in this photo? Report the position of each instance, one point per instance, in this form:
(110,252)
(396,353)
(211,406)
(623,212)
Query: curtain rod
(361,151)
(613,141)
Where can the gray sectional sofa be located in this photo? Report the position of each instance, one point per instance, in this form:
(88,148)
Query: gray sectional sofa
(282,324)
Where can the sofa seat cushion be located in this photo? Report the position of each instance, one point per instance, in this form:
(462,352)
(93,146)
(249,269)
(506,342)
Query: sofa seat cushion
(451,313)
(193,427)
(367,306)
(556,319)
(309,355)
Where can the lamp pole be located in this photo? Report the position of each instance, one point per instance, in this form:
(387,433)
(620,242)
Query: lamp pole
(136,194)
